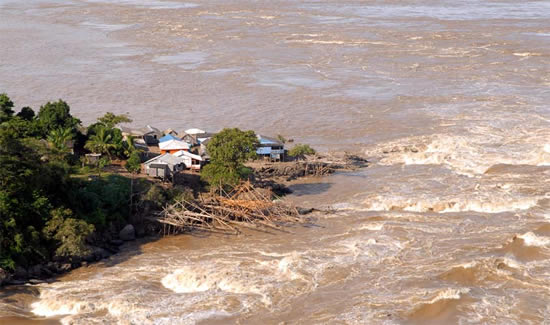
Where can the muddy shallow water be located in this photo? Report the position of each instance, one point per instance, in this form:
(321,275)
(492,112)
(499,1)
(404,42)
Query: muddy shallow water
(450,223)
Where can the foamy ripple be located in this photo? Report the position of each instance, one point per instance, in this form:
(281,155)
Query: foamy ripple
(530,239)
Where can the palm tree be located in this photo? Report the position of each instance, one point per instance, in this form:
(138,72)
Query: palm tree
(60,138)
(101,142)
(129,146)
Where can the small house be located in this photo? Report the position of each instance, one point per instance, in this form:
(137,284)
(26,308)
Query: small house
(170,131)
(158,170)
(191,139)
(192,161)
(151,135)
(92,158)
(270,148)
(164,166)
(204,136)
(173,146)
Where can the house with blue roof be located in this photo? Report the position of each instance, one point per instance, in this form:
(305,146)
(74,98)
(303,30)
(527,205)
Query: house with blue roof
(270,148)
(169,137)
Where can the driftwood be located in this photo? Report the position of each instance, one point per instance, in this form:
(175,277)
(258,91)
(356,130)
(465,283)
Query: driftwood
(244,207)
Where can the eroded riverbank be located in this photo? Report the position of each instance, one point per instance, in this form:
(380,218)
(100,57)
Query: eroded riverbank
(449,99)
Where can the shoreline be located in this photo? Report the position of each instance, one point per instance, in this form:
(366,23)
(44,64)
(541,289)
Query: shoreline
(273,176)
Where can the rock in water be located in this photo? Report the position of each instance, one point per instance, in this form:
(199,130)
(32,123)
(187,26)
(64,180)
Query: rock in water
(128,233)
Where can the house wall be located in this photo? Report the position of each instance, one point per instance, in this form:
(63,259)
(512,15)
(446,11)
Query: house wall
(171,151)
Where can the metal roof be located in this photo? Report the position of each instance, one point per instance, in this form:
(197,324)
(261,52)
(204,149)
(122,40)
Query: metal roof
(174,145)
(169,137)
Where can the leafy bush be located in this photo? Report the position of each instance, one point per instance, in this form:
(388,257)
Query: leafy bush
(70,233)
(133,164)
(301,150)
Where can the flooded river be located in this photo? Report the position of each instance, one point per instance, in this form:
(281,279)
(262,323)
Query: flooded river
(449,99)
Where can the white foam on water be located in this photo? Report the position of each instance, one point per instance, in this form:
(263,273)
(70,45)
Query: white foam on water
(192,279)
(446,205)
(372,227)
(530,239)
(469,155)
(54,307)
(450,293)
(149,4)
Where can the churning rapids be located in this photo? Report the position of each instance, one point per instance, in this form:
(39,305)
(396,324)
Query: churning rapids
(449,99)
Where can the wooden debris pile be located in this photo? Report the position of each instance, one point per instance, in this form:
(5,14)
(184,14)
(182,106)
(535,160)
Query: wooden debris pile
(245,207)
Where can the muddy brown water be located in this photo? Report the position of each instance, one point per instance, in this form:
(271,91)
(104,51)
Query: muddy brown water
(449,99)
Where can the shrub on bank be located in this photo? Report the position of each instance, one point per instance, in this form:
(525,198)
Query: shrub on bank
(301,150)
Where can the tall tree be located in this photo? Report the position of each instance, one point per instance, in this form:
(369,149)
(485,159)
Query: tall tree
(110,120)
(26,113)
(56,115)
(101,142)
(228,150)
(6,108)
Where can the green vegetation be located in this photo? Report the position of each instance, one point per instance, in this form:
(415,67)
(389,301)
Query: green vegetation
(44,210)
(110,120)
(50,204)
(228,150)
(133,164)
(54,116)
(301,150)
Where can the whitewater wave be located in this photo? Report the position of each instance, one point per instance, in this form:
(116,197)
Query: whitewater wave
(447,205)
(468,155)
(530,239)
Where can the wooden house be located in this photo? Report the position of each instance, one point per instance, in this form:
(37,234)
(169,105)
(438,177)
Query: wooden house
(270,148)
(170,131)
(149,134)
(190,138)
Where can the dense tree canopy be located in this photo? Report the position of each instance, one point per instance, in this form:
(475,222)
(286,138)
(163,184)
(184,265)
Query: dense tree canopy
(6,108)
(56,115)
(110,120)
(228,150)
(43,210)
(26,113)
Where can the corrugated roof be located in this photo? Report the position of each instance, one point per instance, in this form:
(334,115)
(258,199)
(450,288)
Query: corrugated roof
(169,137)
(165,159)
(187,154)
(268,140)
(174,145)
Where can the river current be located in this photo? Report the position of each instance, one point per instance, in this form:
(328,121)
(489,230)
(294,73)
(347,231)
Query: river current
(450,224)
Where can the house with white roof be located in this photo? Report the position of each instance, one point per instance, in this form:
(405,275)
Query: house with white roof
(164,166)
(173,146)
(192,161)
